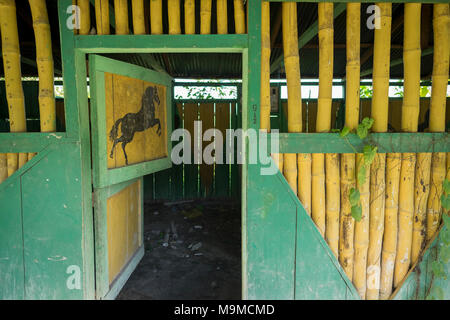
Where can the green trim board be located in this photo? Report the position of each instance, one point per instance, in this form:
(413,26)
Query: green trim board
(161,43)
(362,1)
(103,176)
(386,142)
(30,142)
(101,195)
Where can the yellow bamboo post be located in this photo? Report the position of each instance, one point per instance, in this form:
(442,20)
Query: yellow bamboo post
(239,17)
(189,16)
(102,16)
(323,122)
(85,17)
(379,113)
(44,60)
(393,166)
(137,7)
(121,14)
(156,25)
(222,17)
(265,66)
(333,201)
(361,242)
(13,82)
(292,64)
(437,112)
(173,7)
(410,118)
(205,16)
(347,223)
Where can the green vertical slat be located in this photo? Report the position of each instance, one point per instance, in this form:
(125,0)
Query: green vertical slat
(148,187)
(234,178)
(11,242)
(176,190)
(162,184)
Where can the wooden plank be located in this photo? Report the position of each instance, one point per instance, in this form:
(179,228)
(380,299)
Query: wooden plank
(191,171)
(222,171)
(206,111)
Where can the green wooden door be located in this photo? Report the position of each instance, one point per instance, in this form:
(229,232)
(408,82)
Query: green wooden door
(131,125)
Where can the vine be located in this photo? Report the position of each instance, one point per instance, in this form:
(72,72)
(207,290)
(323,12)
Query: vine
(369,152)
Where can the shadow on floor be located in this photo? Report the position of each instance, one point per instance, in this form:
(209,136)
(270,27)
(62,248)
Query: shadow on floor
(192,251)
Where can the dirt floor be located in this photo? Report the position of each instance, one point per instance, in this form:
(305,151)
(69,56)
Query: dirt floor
(192,251)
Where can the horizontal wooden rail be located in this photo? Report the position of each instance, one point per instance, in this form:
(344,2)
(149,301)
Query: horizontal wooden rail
(29,141)
(364,1)
(162,43)
(386,142)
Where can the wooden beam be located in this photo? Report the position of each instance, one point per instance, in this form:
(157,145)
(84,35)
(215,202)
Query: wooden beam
(310,33)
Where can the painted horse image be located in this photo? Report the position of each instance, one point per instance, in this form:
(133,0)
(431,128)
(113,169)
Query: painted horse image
(136,122)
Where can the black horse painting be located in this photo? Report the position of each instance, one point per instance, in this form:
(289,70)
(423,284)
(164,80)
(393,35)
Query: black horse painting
(136,122)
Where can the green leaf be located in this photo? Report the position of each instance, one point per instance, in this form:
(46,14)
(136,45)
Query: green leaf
(438,293)
(447,186)
(357,212)
(354,197)
(345,131)
(369,153)
(445,236)
(446,219)
(362,174)
(363,128)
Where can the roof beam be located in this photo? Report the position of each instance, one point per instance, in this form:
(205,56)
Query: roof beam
(310,33)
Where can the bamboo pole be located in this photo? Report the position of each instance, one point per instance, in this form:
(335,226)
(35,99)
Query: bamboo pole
(13,82)
(410,117)
(361,242)
(174,16)
(393,166)
(437,112)
(189,16)
(347,223)
(333,201)
(379,112)
(292,63)
(156,25)
(323,122)
(239,17)
(265,66)
(85,16)
(102,16)
(121,14)
(137,7)
(222,18)
(205,16)
(44,60)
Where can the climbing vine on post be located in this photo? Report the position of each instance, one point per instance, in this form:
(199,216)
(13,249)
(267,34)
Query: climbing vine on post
(369,153)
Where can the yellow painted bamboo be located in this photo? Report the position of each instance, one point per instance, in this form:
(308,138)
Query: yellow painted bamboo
(379,113)
(13,83)
(205,16)
(323,122)
(44,60)
(173,7)
(189,16)
(421,191)
(75,13)
(102,16)
(410,118)
(239,17)
(393,166)
(292,64)
(304,164)
(437,112)
(85,17)
(3,167)
(222,17)
(137,7)
(361,241)
(121,15)
(348,180)
(265,66)
(333,202)
(156,25)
